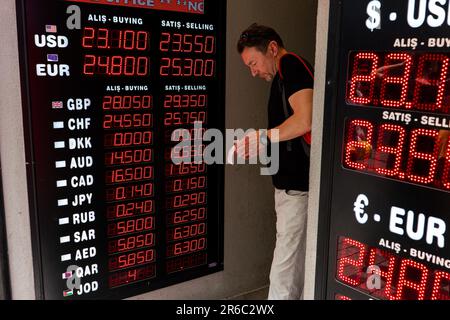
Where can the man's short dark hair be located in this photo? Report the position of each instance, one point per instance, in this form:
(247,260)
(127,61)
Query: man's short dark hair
(259,37)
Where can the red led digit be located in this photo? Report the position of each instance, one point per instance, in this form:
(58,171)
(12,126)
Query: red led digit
(165,41)
(168,101)
(187,69)
(142,40)
(351,262)
(89,64)
(362,83)
(165,67)
(130,66)
(102,38)
(210,68)
(176,42)
(129,39)
(446,172)
(88,37)
(358,148)
(107,102)
(386,261)
(116,66)
(199,45)
(403,281)
(394,150)
(431,81)
(176,67)
(116,39)
(394,89)
(103,65)
(187,43)
(441,286)
(117,102)
(210,44)
(422,164)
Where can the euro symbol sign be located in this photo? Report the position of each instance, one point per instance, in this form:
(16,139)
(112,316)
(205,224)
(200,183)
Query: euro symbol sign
(374,12)
(360,204)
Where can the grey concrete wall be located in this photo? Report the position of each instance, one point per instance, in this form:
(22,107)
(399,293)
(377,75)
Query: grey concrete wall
(249,216)
(316,148)
(12,155)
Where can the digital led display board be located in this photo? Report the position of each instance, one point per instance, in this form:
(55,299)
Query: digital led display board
(385,185)
(106,84)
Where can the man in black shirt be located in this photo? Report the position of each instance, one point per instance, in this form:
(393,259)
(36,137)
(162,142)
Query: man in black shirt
(290,114)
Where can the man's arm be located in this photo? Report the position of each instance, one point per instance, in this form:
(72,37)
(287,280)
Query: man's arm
(295,126)
(301,121)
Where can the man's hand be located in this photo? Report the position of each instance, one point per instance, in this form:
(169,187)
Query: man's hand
(250,146)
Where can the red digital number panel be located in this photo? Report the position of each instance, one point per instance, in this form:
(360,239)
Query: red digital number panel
(130,209)
(127,277)
(129,103)
(104,38)
(129,260)
(187,67)
(186,247)
(117,66)
(186,262)
(186,216)
(386,276)
(406,81)
(419,156)
(187,43)
(131,226)
(186,232)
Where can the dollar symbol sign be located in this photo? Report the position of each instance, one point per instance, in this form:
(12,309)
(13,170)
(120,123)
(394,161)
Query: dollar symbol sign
(374,12)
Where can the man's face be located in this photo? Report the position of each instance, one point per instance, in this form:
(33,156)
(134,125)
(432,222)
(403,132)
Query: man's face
(260,64)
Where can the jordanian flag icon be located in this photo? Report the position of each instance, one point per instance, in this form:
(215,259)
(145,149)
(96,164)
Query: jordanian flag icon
(68,293)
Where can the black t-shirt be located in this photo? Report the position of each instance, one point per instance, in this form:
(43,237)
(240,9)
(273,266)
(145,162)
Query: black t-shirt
(297,75)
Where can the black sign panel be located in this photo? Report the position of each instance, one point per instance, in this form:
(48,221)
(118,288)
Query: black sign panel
(106,85)
(386,168)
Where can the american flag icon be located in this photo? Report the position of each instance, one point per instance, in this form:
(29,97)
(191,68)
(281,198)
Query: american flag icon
(57,104)
(51,28)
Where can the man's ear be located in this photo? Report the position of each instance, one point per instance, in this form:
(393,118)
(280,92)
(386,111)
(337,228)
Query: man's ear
(274,48)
